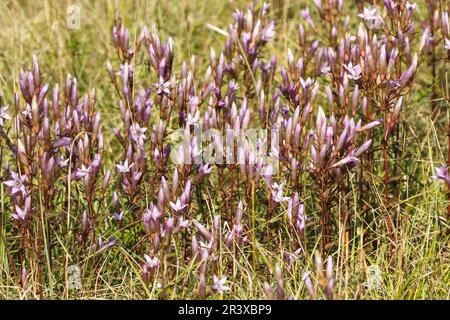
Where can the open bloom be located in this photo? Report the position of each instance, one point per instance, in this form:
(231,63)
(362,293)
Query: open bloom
(125,167)
(63,162)
(150,217)
(354,71)
(277,193)
(82,172)
(177,206)
(219,284)
(137,133)
(204,170)
(163,87)
(182,223)
(27,111)
(152,213)
(16,183)
(371,15)
(296,213)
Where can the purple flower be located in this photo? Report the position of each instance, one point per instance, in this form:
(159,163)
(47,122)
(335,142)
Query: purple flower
(307,16)
(150,216)
(308,284)
(268,32)
(277,193)
(325,69)
(354,71)
(138,133)
(163,87)
(410,6)
(292,257)
(177,206)
(301,218)
(151,262)
(16,183)
(194,101)
(296,213)
(363,148)
(153,213)
(370,14)
(62,142)
(107,245)
(232,87)
(219,284)
(136,177)
(370,125)
(62,163)
(27,111)
(124,168)
(205,169)
(305,83)
(118,216)
(22,215)
(442,174)
(182,223)
(82,172)
(350,159)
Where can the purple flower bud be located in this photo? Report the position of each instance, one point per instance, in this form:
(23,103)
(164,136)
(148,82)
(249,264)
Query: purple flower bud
(84,223)
(61,142)
(442,174)
(348,160)
(309,285)
(106,179)
(363,148)
(194,245)
(203,231)
(371,125)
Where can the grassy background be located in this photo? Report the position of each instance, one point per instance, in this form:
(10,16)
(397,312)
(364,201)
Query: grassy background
(420,268)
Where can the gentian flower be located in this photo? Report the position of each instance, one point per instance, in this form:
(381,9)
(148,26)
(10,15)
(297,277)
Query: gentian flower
(219,285)
(16,183)
(125,167)
(442,174)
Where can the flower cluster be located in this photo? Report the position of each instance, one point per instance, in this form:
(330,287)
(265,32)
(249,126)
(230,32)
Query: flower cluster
(212,162)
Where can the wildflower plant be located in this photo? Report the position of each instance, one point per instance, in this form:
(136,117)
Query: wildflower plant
(247,158)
